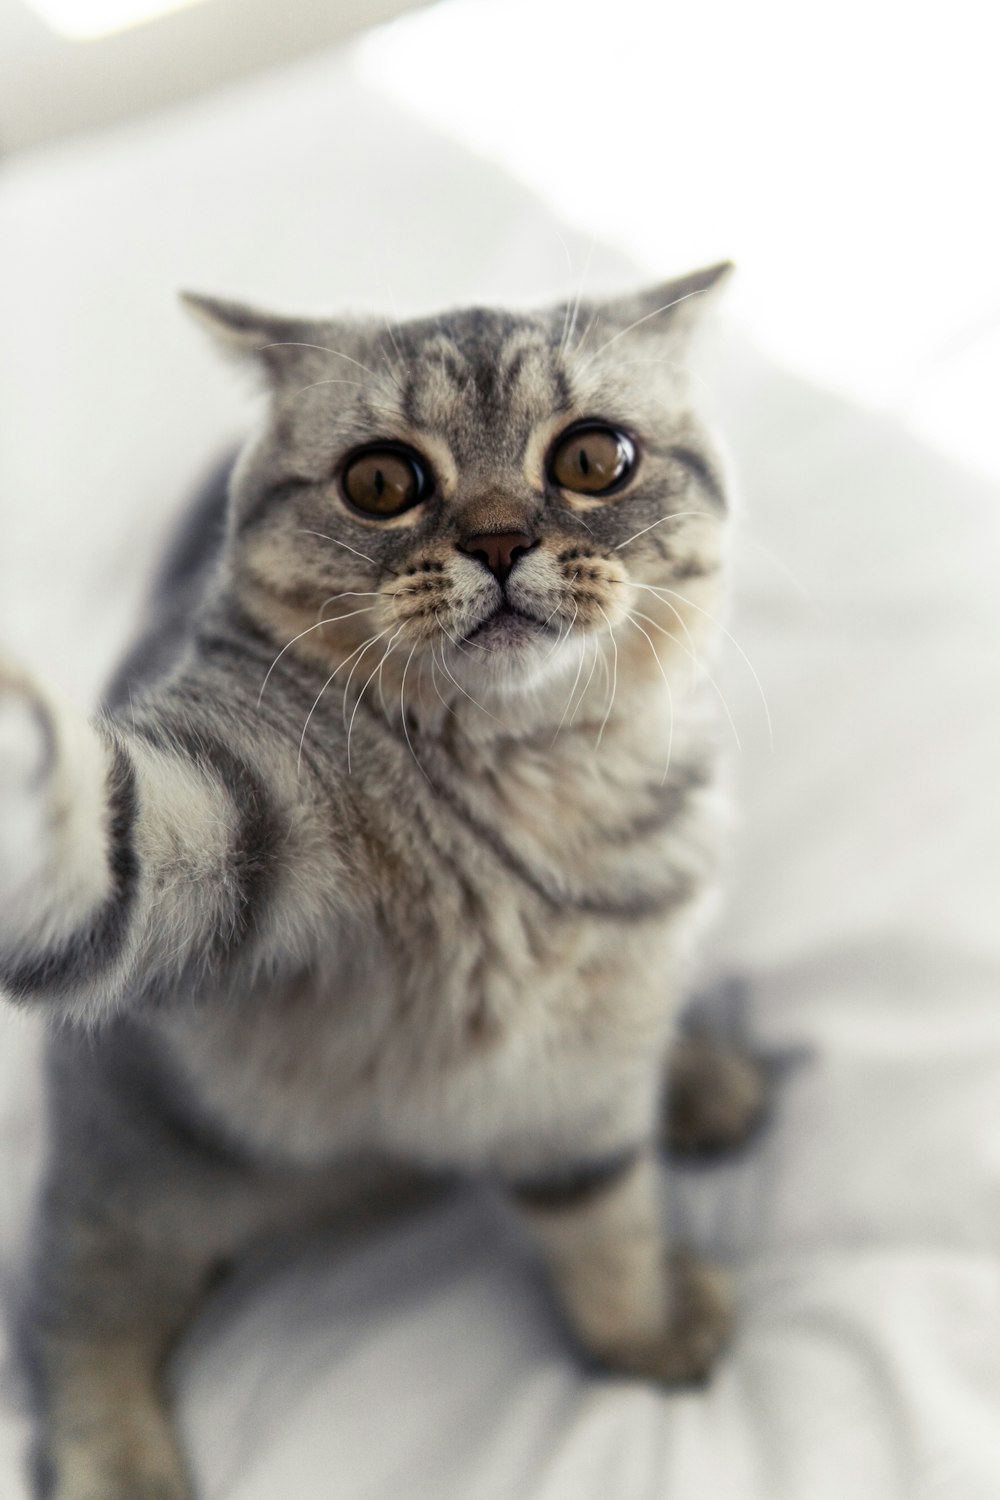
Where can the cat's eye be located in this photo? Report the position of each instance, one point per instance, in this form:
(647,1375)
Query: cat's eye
(385,481)
(592,459)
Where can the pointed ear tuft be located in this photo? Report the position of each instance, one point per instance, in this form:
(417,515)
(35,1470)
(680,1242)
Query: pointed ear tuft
(244,331)
(698,282)
(671,310)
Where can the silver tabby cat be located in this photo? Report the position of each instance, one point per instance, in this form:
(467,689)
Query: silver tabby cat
(389,854)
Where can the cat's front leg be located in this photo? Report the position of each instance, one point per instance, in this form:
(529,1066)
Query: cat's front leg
(65,798)
(635,1305)
(133,855)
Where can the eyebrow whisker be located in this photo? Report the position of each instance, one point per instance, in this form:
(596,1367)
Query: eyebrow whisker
(645,319)
(338,543)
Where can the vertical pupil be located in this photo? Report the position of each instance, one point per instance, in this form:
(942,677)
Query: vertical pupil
(584,462)
(379,483)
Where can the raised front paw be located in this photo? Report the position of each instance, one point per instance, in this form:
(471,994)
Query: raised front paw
(698,1328)
(53,822)
(716,1096)
(28,803)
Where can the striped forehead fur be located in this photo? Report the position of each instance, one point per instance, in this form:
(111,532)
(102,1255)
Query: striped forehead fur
(481,396)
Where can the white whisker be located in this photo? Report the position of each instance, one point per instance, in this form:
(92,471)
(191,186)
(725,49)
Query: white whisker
(338,543)
(645,319)
(357,704)
(333,620)
(569,302)
(598,657)
(302,738)
(744,536)
(569,700)
(563,633)
(614,682)
(648,588)
(670,696)
(671,364)
(579,296)
(458,645)
(674,515)
(350,594)
(402,713)
(323,349)
(316,383)
(380,685)
(387,361)
(350,678)
(592,322)
(462,690)
(434,683)
(693,657)
(729,637)
(389,323)
(782,567)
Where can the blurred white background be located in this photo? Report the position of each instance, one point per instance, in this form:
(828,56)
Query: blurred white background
(68,66)
(841,155)
(844,158)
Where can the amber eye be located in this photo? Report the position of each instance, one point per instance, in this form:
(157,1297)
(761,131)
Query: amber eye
(592,459)
(385,481)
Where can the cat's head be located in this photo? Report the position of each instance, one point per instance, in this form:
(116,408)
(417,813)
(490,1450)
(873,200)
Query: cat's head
(490,492)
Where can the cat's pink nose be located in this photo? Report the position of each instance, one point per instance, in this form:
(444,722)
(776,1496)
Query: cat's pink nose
(498,550)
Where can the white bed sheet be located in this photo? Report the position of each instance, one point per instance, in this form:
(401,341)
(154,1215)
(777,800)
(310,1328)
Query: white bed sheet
(864,1228)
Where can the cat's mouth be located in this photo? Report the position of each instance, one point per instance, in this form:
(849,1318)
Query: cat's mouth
(506,626)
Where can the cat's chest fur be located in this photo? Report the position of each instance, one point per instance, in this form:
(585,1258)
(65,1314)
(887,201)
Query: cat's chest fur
(520,955)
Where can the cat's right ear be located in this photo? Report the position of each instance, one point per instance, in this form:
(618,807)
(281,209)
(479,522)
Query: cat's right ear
(276,343)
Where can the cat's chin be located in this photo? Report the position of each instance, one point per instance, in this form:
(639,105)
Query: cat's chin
(507,628)
(512,653)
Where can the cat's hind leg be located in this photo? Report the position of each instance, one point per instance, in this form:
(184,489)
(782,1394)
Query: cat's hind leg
(144,1205)
(104,1310)
(138,1212)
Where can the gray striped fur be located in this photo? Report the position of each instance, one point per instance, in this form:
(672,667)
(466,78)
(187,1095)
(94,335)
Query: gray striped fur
(306,930)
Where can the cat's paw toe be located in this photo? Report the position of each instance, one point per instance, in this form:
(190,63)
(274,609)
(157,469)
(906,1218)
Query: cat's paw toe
(27,736)
(716,1097)
(27,766)
(120,1485)
(699,1328)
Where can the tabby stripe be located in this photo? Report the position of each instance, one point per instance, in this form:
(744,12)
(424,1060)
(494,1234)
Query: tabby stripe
(267,498)
(291,687)
(512,372)
(94,947)
(698,466)
(639,907)
(575,1185)
(672,801)
(228,648)
(681,570)
(563,399)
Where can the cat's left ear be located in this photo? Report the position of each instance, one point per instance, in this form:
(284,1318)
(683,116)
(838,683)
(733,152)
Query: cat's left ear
(671,310)
(275,342)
